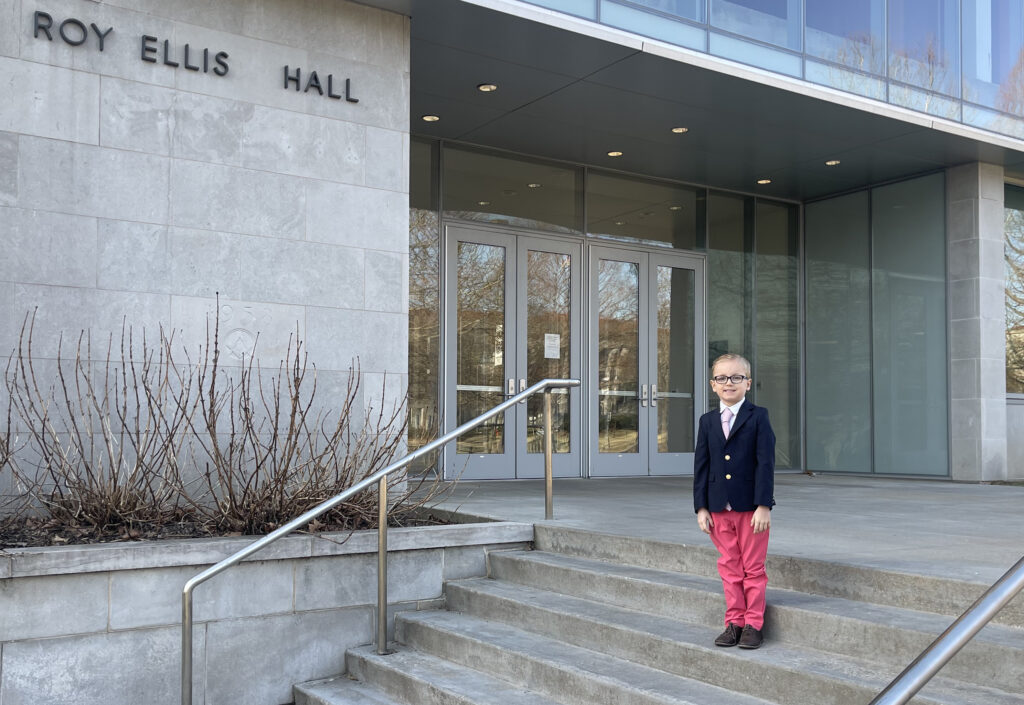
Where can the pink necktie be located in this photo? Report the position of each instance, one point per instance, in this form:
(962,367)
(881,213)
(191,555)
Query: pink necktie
(726,417)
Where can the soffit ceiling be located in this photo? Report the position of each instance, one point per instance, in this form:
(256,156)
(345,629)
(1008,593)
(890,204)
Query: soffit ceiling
(570,97)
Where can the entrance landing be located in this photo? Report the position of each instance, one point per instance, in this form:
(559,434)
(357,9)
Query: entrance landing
(934,528)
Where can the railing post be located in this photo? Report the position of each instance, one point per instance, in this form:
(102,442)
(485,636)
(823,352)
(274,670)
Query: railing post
(549,512)
(186,648)
(382,566)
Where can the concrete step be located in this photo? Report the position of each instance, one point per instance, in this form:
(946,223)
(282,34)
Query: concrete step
(569,674)
(414,677)
(782,673)
(882,587)
(340,690)
(879,633)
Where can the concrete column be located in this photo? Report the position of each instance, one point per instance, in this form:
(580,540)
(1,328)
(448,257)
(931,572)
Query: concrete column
(974,239)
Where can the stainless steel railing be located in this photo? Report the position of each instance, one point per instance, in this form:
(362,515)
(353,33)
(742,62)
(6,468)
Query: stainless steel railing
(380,477)
(917,674)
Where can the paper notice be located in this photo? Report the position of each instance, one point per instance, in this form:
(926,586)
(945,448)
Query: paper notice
(552,345)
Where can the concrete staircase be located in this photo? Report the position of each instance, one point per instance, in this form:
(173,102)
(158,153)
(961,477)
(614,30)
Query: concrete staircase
(596,619)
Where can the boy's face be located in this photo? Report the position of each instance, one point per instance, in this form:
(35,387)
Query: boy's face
(730,393)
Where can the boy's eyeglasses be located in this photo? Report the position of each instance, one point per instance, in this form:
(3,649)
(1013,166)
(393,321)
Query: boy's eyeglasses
(735,379)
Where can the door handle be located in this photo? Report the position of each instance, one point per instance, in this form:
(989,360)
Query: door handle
(522,387)
(510,388)
(654,395)
(643,395)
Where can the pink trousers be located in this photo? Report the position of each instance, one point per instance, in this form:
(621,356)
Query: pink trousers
(741,565)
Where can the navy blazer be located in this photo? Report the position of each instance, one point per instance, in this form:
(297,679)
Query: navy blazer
(738,471)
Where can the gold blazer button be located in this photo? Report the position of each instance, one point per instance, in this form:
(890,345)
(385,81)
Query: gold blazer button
(728,457)
(728,477)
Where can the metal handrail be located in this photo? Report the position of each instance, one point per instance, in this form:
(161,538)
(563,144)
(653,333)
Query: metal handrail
(545,385)
(917,674)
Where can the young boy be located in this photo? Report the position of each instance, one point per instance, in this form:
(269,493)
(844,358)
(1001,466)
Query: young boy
(733,488)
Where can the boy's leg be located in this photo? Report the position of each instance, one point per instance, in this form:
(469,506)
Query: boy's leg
(754,550)
(725,535)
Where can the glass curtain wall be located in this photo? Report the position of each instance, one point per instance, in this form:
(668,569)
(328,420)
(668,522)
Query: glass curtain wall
(959,59)
(1014,266)
(424,294)
(876,325)
(730,302)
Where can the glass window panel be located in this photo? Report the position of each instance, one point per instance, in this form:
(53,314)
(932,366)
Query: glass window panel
(618,362)
(851,33)
(480,377)
(730,277)
(924,101)
(837,235)
(511,190)
(776,380)
(688,9)
(924,44)
(844,80)
(548,282)
(994,121)
(655,25)
(675,359)
(909,327)
(581,8)
(424,289)
(651,212)
(777,22)
(1014,250)
(755,54)
(994,54)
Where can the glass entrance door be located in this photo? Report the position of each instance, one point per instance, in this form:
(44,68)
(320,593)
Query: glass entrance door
(646,353)
(512,319)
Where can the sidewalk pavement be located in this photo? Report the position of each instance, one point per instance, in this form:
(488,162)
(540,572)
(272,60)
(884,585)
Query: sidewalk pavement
(927,527)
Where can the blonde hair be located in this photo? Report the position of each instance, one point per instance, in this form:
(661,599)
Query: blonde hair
(729,357)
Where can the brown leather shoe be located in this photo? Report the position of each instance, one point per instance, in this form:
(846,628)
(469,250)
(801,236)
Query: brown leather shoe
(730,637)
(750,638)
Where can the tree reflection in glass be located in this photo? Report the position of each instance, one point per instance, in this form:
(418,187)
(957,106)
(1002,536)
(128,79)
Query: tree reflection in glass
(618,372)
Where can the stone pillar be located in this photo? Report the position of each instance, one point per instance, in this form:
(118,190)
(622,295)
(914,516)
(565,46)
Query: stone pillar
(977,325)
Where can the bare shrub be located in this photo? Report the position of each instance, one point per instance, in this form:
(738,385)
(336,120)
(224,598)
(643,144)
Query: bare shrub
(136,440)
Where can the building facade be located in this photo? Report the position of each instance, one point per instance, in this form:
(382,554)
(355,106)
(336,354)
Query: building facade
(467,196)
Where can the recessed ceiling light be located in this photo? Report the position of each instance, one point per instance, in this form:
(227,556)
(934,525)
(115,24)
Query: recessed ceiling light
(675,208)
(483,203)
(620,222)
(430,118)
(763,182)
(614,154)
(832,162)
(680,130)
(534,185)
(487,87)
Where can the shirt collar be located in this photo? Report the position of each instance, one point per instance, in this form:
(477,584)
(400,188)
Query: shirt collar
(734,409)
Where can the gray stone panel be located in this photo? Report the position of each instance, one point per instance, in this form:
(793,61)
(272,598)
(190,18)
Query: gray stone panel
(205,263)
(133,257)
(120,55)
(387,282)
(383,392)
(145,598)
(328,583)
(354,216)
(228,199)
(1015,441)
(52,606)
(380,340)
(9,25)
(240,324)
(123,667)
(387,159)
(88,180)
(464,562)
(70,310)
(220,15)
(47,248)
(305,145)
(247,663)
(8,169)
(55,102)
(283,271)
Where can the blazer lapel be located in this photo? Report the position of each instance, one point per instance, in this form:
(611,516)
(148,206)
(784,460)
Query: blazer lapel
(745,411)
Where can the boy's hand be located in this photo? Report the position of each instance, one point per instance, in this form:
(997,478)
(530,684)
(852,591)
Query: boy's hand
(704,520)
(762,519)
